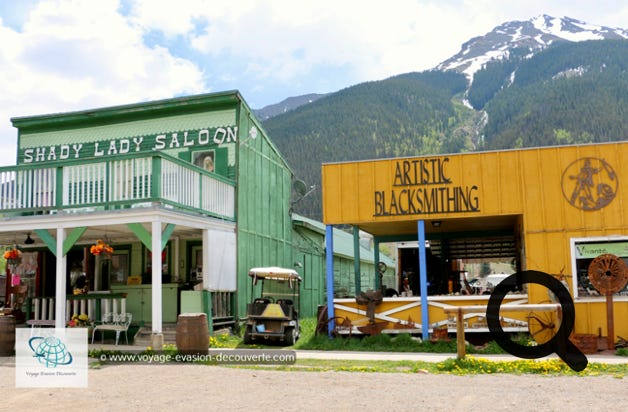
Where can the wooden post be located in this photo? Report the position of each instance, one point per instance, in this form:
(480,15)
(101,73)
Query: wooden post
(460,344)
(460,310)
(610,340)
(7,290)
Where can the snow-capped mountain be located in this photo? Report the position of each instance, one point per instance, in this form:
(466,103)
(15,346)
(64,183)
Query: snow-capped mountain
(534,34)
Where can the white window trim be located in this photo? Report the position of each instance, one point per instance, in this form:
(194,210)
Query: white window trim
(574,271)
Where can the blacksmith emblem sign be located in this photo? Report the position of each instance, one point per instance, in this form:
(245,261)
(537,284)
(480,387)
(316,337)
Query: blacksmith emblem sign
(589,183)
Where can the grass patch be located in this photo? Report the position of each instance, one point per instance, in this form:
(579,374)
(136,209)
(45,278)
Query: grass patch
(473,365)
(468,366)
(403,342)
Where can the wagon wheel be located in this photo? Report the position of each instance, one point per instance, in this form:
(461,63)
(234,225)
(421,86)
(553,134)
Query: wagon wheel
(542,325)
(608,274)
(341,325)
(381,267)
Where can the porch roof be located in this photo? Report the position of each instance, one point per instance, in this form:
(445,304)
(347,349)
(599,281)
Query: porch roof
(114,224)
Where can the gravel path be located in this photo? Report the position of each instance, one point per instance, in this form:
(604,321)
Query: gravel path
(196,387)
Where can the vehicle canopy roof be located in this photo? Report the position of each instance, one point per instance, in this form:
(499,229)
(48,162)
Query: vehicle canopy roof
(274,273)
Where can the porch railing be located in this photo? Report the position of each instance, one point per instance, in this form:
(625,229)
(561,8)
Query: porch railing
(94,305)
(126,181)
(41,310)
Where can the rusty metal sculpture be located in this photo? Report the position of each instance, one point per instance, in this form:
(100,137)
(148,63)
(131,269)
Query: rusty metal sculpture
(608,274)
(342,326)
(371,299)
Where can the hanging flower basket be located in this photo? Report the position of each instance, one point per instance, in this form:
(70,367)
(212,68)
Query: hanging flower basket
(13,256)
(101,248)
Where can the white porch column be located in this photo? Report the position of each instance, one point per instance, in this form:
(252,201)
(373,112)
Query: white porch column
(206,259)
(175,266)
(206,280)
(60,284)
(157,322)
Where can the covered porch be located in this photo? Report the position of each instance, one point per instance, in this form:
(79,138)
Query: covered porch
(429,283)
(138,204)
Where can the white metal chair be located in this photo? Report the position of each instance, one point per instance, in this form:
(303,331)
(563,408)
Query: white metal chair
(118,322)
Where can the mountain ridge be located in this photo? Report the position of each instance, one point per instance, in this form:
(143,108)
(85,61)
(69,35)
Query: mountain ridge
(536,33)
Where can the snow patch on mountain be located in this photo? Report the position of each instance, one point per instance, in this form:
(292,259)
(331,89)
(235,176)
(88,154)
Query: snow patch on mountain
(534,34)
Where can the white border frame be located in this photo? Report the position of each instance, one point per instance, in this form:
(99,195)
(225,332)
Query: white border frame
(574,273)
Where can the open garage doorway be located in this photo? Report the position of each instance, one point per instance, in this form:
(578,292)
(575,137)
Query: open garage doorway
(460,263)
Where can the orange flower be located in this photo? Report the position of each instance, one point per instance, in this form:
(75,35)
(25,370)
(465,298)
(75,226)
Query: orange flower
(12,254)
(101,247)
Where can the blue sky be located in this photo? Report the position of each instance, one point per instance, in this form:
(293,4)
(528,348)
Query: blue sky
(64,55)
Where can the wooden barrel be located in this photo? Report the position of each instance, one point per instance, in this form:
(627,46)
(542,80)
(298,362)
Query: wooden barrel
(7,335)
(192,333)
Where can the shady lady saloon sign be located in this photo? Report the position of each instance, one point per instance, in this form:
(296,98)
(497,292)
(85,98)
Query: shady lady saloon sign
(189,139)
(422,186)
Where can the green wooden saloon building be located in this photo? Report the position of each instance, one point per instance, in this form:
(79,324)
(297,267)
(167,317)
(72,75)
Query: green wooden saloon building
(194,179)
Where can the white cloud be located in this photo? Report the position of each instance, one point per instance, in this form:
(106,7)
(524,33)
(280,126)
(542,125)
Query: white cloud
(286,40)
(78,55)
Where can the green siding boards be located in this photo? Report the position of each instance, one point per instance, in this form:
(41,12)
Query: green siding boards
(130,129)
(310,255)
(264,183)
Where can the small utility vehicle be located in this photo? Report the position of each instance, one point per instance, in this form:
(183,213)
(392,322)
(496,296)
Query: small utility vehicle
(273,314)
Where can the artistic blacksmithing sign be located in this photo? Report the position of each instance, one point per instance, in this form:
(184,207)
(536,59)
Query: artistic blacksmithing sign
(422,186)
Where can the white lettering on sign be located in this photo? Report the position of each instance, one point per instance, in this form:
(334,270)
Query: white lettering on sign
(174,142)
(203,137)
(64,152)
(98,152)
(187,142)
(77,149)
(112,148)
(138,141)
(162,141)
(223,134)
(50,153)
(124,146)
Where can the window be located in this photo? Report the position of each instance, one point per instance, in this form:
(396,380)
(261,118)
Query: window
(119,267)
(583,251)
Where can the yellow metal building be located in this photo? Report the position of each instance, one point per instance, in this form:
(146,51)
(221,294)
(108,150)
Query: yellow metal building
(553,209)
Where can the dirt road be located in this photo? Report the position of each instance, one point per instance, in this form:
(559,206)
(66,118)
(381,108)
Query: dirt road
(195,387)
